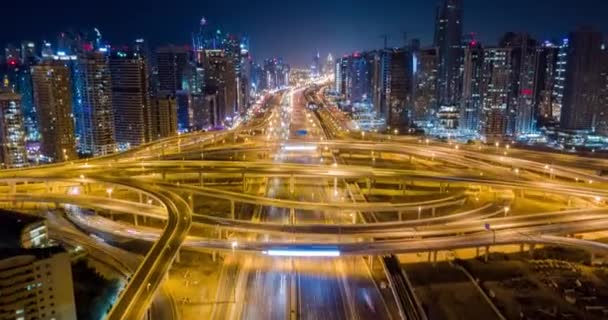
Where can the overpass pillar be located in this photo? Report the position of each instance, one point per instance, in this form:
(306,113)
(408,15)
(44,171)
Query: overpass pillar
(434,257)
(244,179)
(531,252)
(178,256)
(140,196)
(232,214)
(214,256)
(476,252)
(487,254)
(201,179)
(335,183)
(135,220)
(292,184)
(433,211)
(400,215)
(191,201)
(368,184)
(292,216)
(419,213)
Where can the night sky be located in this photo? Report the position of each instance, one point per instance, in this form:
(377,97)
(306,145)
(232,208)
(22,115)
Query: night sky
(293,29)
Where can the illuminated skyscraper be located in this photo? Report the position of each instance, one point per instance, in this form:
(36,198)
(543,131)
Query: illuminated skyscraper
(472,94)
(583,82)
(53,99)
(524,74)
(329,67)
(400,88)
(315,67)
(94,112)
(425,96)
(559,83)
(163,115)
(220,79)
(130,97)
(547,60)
(496,89)
(12,132)
(448,35)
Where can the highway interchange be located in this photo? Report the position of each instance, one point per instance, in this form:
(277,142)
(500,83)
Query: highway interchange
(289,179)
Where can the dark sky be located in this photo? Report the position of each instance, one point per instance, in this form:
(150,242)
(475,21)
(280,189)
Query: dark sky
(293,29)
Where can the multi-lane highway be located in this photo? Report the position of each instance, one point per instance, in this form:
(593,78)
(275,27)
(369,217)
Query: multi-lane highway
(290,172)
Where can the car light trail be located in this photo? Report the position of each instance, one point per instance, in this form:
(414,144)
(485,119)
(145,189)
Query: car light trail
(302,253)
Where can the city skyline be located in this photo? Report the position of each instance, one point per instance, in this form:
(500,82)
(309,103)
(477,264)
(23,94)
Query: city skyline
(339,27)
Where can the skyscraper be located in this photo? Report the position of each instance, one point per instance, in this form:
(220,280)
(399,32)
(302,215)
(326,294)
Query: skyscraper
(399,89)
(163,115)
(173,66)
(425,75)
(448,35)
(53,99)
(524,73)
(583,83)
(220,79)
(496,89)
(315,67)
(130,97)
(559,83)
(12,132)
(328,69)
(472,88)
(94,112)
(547,60)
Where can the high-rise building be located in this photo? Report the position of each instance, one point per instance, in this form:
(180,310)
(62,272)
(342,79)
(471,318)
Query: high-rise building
(399,89)
(328,69)
(315,67)
(358,78)
(220,79)
(12,132)
(547,62)
(342,67)
(448,35)
(29,53)
(472,88)
(559,83)
(524,74)
(496,89)
(93,108)
(18,78)
(37,284)
(53,99)
(425,94)
(172,63)
(163,115)
(583,80)
(130,97)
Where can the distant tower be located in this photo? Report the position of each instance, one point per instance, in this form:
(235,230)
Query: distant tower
(582,84)
(12,132)
(130,96)
(448,35)
(94,114)
(53,100)
(329,65)
(315,69)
